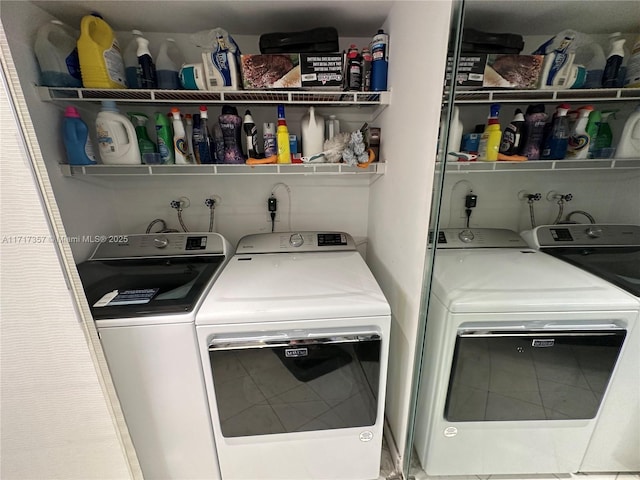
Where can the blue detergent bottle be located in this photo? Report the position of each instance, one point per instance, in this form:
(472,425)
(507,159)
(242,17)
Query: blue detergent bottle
(76,139)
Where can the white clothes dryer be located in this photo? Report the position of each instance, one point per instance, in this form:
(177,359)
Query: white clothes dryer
(611,252)
(520,349)
(294,339)
(144,291)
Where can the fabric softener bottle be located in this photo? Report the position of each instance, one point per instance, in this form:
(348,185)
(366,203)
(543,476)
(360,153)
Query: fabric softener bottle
(231,125)
(535,119)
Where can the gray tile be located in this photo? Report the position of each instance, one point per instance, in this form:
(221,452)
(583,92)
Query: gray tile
(256,420)
(237,395)
(568,399)
(275,380)
(469,404)
(295,415)
(226,366)
(500,407)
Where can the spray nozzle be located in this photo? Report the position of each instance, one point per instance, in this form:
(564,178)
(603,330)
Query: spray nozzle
(140,118)
(495,110)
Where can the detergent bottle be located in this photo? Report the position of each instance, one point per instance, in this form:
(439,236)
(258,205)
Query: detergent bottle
(76,139)
(231,125)
(101,63)
(312,128)
(57,55)
(490,139)
(168,65)
(117,140)
(579,139)
(282,138)
(130,57)
(145,145)
(629,144)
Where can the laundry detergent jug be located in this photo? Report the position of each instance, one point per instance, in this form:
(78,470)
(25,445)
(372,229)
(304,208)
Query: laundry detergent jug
(101,63)
(117,140)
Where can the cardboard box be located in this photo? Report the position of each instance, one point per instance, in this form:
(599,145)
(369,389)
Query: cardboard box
(286,71)
(497,70)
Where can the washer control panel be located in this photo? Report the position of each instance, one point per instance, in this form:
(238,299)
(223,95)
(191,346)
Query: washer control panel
(579,235)
(160,244)
(477,238)
(295,242)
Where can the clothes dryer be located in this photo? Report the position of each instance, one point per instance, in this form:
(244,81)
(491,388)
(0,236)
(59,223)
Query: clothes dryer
(520,350)
(144,291)
(611,252)
(294,339)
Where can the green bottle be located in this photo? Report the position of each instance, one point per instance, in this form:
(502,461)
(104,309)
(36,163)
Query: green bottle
(592,130)
(164,132)
(144,142)
(605,137)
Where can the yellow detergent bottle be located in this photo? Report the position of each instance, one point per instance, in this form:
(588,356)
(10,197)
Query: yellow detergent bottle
(101,63)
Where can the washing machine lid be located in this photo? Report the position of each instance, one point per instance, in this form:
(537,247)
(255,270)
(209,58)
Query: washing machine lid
(293,286)
(520,280)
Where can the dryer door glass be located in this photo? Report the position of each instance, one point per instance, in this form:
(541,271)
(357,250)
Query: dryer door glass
(266,385)
(505,376)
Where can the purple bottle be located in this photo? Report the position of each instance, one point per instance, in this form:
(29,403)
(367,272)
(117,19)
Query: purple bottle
(231,126)
(533,131)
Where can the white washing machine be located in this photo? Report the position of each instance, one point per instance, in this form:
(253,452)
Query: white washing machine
(294,339)
(520,350)
(144,291)
(611,252)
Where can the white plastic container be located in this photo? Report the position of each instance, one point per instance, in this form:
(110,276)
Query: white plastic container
(632,76)
(57,55)
(168,65)
(180,146)
(312,129)
(130,57)
(629,144)
(455,134)
(117,140)
(332,127)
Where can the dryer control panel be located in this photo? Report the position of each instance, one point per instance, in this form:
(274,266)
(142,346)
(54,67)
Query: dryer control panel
(161,245)
(477,238)
(286,242)
(582,235)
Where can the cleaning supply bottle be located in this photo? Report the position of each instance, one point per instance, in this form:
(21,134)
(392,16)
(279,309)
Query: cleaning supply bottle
(145,145)
(251,132)
(533,131)
(164,134)
(146,67)
(101,63)
(556,68)
(282,138)
(490,139)
(379,61)
(354,69)
(57,55)
(168,64)
(332,127)
(604,137)
(117,140)
(203,142)
(632,75)
(269,137)
(512,135)
(188,120)
(218,143)
(366,69)
(130,57)
(77,142)
(180,148)
(231,126)
(614,61)
(312,129)
(629,144)
(455,133)
(555,146)
(579,140)
(593,124)
(196,137)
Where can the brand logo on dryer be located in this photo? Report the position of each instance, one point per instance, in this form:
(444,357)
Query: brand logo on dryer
(296,352)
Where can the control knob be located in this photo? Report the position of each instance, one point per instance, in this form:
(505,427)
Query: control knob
(466,236)
(161,242)
(594,232)
(296,240)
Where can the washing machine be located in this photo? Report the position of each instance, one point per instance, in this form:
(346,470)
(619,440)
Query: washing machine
(144,291)
(520,350)
(294,340)
(611,252)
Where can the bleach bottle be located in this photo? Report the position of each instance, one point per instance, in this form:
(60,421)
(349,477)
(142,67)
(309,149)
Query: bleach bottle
(629,144)
(76,139)
(130,57)
(57,55)
(117,139)
(168,65)
(101,63)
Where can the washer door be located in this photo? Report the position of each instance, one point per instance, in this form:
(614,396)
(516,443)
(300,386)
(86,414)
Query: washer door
(293,383)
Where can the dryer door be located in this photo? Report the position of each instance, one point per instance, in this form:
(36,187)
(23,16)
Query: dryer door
(295,381)
(531,375)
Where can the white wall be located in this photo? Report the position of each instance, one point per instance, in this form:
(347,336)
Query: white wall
(400,201)
(55,421)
